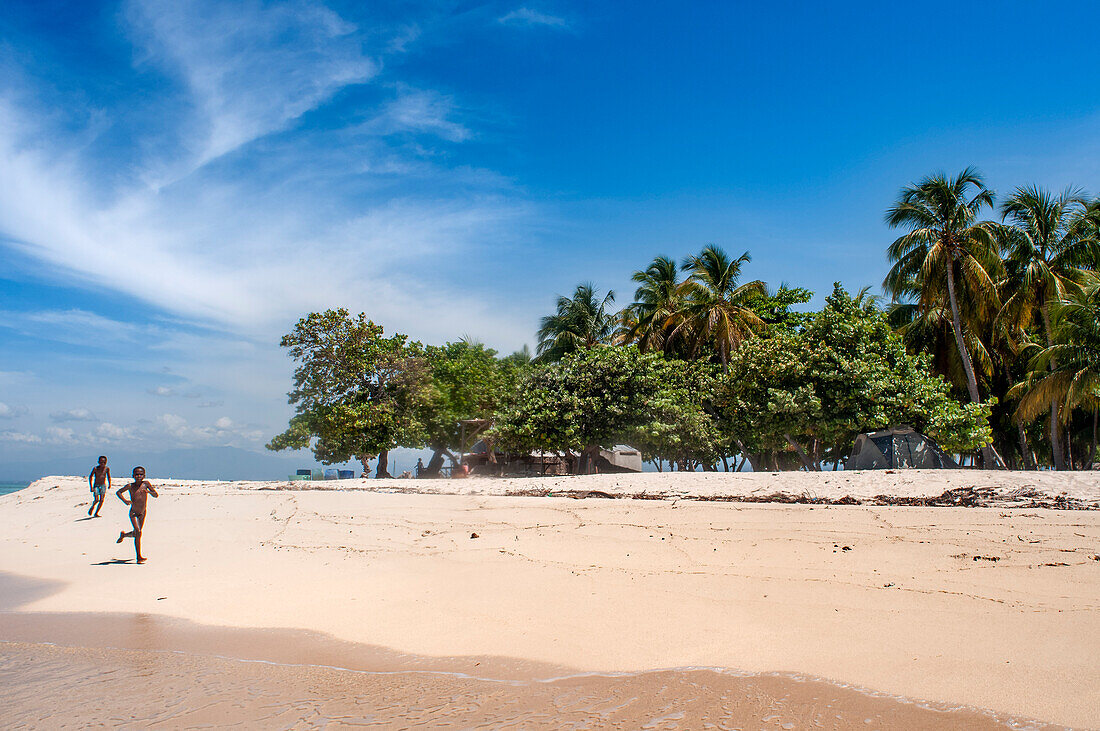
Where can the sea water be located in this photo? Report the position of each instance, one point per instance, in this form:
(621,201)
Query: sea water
(9,487)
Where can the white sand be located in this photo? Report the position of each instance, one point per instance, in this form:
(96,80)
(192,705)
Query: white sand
(917,606)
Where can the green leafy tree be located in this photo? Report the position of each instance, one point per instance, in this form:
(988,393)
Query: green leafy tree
(947,248)
(591,398)
(847,372)
(356,394)
(774,309)
(468,381)
(679,429)
(581,321)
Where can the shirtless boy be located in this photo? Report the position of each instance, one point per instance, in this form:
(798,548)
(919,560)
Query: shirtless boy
(99,482)
(139,490)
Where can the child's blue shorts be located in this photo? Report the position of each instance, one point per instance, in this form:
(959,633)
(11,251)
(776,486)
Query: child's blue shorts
(98,491)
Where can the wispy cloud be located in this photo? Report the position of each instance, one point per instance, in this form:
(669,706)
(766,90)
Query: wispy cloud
(11,412)
(252,68)
(72,415)
(529,17)
(74,326)
(267,168)
(113,433)
(419,111)
(16,437)
(278,221)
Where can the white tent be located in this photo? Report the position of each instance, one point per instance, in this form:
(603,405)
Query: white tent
(897,447)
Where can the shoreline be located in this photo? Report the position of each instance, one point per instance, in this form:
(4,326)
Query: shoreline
(264,655)
(260,692)
(985,607)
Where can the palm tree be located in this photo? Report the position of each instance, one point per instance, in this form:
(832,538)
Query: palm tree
(581,321)
(1049,247)
(1067,372)
(946,249)
(651,318)
(716,308)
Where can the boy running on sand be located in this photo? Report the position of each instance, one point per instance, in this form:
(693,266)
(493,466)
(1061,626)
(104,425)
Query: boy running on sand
(99,482)
(140,490)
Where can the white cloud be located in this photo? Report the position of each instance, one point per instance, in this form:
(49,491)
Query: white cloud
(418,110)
(235,214)
(251,68)
(529,17)
(72,415)
(112,432)
(61,435)
(174,423)
(74,326)
(11,412)
(251,260)
(20,437)
(224,423)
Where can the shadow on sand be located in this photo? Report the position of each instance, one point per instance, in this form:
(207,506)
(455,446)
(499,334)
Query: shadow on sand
(114,561)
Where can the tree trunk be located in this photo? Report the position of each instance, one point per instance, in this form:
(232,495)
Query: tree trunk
(1025,452)
(435,464)
(807,462)
(990,458)
(383,465)
(365,461)
(1094,457)
(1055,427)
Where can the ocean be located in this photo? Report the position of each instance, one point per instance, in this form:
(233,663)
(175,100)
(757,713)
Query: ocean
(8,487)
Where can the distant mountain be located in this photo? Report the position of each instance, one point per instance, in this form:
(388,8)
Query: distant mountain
(200,463)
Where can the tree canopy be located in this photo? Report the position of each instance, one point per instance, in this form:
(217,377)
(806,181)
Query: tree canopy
(991,325)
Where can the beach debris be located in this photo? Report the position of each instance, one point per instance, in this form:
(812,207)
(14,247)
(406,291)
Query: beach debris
(1056,563)
(474,535)
(1095,557)
(987,558)
(845,548)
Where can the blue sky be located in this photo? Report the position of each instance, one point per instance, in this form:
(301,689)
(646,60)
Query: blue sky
(180,180)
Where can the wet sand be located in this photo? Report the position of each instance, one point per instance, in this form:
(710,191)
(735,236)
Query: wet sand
(965,608)
(75,669)
(56,687)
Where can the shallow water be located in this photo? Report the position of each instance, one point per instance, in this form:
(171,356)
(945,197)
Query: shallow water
(7,488)
(43,686)
(77,669)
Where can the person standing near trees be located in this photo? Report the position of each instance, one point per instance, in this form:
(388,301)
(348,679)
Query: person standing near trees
(99,482)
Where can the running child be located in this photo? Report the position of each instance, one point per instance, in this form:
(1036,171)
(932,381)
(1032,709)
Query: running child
(140,490)
(99,482)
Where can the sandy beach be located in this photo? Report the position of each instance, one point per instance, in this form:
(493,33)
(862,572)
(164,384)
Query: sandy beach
(993,609)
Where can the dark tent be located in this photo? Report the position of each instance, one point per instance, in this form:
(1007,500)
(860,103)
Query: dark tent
(895,448)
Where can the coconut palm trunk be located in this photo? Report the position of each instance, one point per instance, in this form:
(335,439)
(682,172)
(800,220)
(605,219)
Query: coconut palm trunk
(1055,422)
(990,458)
(960,343)
(944,235)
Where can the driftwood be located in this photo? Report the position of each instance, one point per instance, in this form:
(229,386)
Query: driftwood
(962,497)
